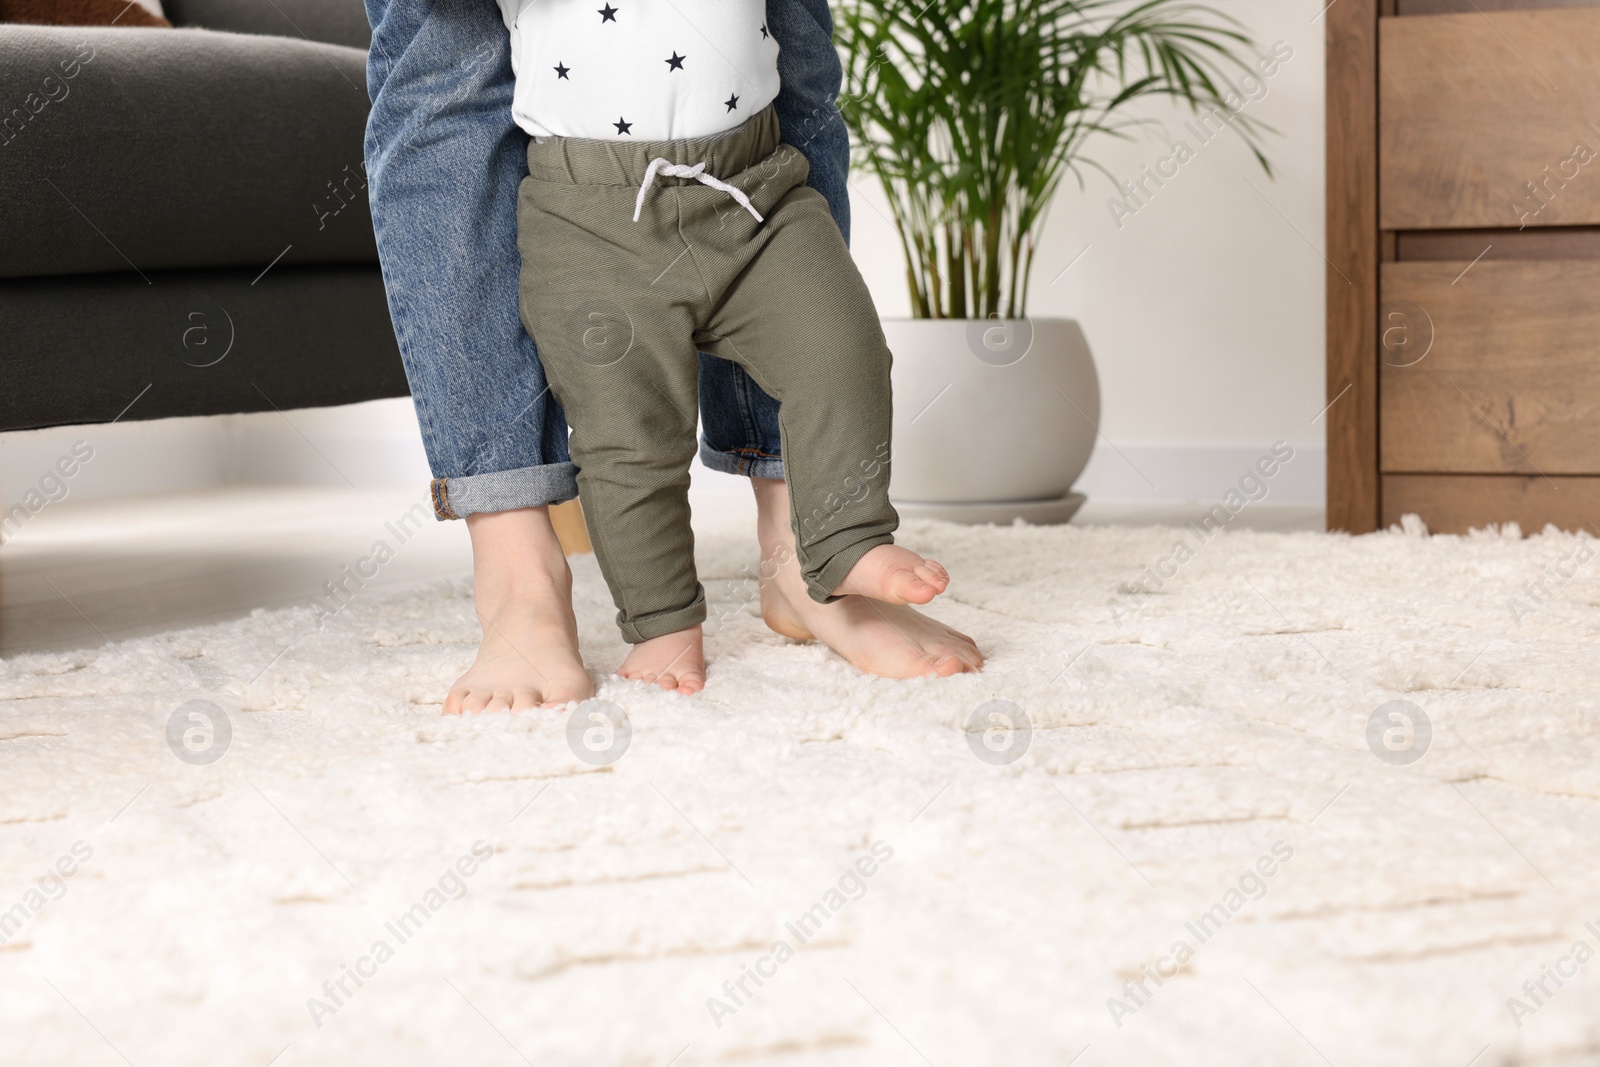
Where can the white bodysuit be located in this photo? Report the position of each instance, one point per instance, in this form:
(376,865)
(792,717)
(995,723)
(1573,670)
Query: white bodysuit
(639,70)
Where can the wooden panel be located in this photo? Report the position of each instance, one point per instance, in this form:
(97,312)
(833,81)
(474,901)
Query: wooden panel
(1556,242)
(1452,7)
(1455,503)
(1352,279)
(1483,116)
(1504,371)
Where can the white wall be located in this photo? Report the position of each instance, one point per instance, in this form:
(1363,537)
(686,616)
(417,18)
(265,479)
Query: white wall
(364,445)
(1204,309)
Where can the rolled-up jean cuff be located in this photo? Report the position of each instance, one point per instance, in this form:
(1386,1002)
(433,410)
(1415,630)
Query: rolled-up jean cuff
(748,462)
(647,627)
(525,487)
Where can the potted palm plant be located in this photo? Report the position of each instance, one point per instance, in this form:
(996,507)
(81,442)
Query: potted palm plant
(970,113)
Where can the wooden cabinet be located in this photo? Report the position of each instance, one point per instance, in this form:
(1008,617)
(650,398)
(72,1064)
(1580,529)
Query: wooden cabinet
(1464,263)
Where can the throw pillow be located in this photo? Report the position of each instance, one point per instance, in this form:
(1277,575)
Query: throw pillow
(80,13)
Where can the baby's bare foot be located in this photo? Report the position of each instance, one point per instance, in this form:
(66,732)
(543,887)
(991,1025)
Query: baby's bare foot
(891,640)
(523,596)
(675,661)
(895,575)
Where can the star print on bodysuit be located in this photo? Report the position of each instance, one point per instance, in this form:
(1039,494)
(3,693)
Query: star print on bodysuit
(611,60)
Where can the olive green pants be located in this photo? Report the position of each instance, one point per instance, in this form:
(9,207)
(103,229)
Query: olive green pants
(619,309)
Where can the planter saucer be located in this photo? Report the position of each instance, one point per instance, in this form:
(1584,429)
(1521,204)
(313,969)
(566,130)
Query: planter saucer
(1001,512)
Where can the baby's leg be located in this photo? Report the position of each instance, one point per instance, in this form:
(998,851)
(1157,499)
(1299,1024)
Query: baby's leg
(633,437)
(628,381)
(800,320)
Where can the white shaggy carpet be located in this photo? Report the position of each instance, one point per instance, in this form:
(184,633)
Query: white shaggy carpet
(1218,731)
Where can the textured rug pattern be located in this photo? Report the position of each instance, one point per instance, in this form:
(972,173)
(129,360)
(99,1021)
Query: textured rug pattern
(1200,857)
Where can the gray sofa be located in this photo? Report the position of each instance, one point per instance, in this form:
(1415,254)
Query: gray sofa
(183,217)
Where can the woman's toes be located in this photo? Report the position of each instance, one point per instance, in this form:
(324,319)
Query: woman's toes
(475,701)
(524,699)
(577,689)
(453,701)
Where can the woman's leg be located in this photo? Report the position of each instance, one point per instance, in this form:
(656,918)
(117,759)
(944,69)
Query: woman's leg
(444,161)
(740,422)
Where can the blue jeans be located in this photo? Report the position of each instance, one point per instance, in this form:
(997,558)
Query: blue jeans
(444,162)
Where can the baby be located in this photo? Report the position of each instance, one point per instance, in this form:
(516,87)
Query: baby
(663,216)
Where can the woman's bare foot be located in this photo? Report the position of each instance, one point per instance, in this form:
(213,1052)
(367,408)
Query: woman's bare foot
(895,575)
(522,590)
(891,640)
(675,661)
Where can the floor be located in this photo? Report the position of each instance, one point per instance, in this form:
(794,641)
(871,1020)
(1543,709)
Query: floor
(1257,799)
(82,572)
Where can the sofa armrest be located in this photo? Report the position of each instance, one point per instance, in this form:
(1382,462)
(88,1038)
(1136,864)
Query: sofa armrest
(329,21)
(178,149)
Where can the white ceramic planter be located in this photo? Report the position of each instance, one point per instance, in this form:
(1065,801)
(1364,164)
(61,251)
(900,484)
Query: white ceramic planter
(993,420)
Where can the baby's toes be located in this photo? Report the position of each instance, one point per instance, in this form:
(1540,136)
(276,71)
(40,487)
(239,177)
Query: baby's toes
(915,588)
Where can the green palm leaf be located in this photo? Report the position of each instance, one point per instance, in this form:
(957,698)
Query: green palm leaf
(970,113)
